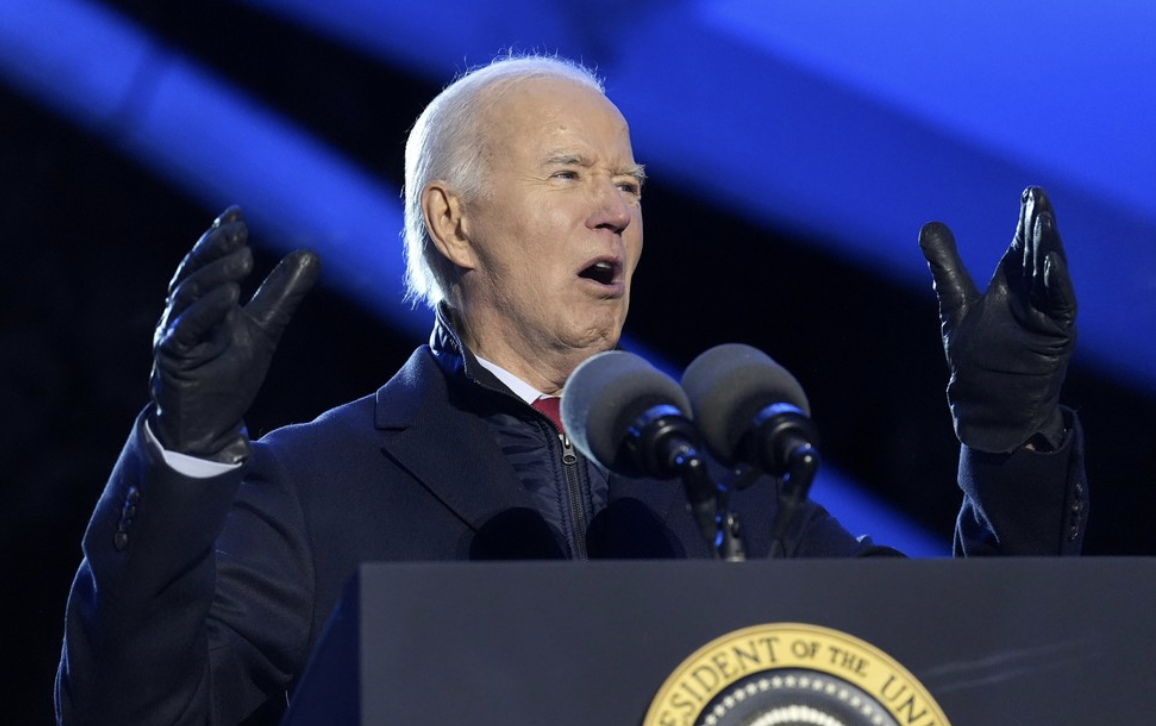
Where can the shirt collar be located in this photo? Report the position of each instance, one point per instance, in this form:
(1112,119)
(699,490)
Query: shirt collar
(455,358)
(521,389)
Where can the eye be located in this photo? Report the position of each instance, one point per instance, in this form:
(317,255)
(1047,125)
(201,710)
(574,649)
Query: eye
(568,174)
(632,188)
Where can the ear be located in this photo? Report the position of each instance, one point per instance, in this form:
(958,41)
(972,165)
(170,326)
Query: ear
(445,218)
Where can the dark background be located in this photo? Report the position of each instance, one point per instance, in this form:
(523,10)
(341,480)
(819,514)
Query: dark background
(90,240)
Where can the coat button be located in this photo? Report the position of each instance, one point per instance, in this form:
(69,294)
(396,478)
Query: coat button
(127,512)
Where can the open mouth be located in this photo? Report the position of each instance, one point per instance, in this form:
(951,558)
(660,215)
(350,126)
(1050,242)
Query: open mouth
(603,272)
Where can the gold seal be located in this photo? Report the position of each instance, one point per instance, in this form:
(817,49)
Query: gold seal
(792,673)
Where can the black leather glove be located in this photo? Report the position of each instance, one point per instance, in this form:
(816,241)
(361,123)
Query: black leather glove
(210,355)
(1008,349)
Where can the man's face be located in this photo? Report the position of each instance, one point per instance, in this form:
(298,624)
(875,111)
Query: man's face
(558,230)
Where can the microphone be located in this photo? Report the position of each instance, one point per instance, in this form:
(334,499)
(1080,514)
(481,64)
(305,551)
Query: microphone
(625,414)
(748,407)
(751,410)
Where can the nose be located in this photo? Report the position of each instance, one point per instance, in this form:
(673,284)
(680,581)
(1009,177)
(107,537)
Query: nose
(611,209)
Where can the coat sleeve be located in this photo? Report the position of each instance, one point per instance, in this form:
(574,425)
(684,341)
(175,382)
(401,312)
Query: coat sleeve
(168,621)
(1026,502)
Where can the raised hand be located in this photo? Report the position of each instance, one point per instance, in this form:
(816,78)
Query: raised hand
(210,354)
(1008,348)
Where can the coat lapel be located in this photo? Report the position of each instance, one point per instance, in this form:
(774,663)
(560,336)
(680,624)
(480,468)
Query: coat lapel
(448,450)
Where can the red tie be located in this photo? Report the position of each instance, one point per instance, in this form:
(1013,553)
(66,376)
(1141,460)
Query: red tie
(550,405)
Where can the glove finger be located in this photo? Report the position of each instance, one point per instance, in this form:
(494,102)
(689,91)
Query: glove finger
(231,269)
(273,304)
(227,234)
(1018,257)
(1045,231)
(1020,271)
(953,284)
(1059,298)
(1038,239)
(1052,290)
(194,325)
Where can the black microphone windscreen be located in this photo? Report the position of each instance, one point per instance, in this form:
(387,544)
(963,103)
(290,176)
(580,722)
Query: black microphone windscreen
(728,385)
(606,394)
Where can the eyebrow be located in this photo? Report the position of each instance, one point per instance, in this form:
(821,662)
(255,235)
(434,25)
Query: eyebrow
(638,171)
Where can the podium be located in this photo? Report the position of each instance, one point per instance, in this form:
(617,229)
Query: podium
(1000,641)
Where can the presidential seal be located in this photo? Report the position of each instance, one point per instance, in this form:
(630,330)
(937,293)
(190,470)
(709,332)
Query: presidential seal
(791,674)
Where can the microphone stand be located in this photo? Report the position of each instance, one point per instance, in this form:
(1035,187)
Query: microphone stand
(781,437)
(730,542)
(691,469)
(718,524)
(802,464)
(663,441)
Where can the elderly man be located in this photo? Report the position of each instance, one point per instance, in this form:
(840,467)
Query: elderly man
(211,563)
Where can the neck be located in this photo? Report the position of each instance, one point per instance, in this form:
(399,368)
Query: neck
(543,364)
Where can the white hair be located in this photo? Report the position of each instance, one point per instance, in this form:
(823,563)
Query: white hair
(447,143)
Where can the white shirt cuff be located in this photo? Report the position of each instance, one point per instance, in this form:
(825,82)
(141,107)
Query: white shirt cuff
(184,464)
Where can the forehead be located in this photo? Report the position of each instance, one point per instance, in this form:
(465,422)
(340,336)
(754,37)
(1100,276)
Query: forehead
(541,117)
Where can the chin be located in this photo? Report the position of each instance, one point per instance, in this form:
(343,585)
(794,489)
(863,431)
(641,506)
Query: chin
(598,332)
(597,340)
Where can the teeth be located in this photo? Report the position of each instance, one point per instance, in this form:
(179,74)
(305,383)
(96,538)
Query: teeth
(601,271)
